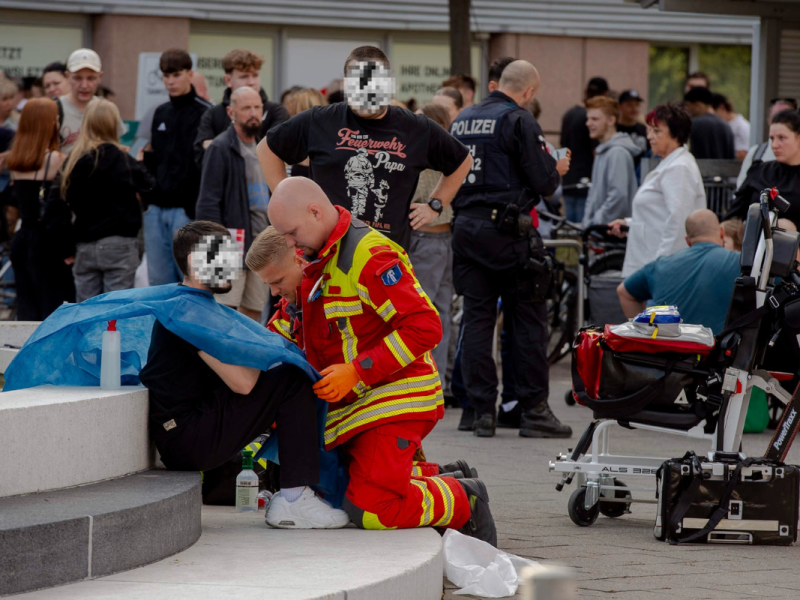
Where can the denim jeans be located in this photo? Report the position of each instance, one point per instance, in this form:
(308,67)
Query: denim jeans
(575,207)
(107,265)
(159,226)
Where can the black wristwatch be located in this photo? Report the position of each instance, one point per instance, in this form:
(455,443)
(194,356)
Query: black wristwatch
(436,205)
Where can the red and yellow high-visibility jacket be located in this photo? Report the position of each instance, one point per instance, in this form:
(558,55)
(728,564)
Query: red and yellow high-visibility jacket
(285,322)
(362,304)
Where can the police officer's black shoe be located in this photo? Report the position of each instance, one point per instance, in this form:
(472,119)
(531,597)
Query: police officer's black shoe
(540,422)
(458,466)
(485,425)
(481,523)
(467,422)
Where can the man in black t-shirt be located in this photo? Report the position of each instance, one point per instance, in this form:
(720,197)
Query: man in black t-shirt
(575,136)
(367,155)
(711,137)
(204,411)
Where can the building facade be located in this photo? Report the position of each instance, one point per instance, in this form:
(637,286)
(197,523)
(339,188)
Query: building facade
(305,42)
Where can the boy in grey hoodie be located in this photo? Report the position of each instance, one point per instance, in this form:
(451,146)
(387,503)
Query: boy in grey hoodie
(613,174)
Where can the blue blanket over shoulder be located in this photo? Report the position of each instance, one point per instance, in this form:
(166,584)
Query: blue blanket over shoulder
(66,348)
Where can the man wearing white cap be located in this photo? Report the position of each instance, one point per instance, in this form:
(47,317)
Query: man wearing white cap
(85,75)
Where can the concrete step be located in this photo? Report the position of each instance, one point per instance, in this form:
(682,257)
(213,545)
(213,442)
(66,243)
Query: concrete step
(238,556)
(52,538)
(61,436)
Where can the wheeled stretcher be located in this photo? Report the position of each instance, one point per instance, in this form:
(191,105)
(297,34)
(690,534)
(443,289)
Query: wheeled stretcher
(677,392)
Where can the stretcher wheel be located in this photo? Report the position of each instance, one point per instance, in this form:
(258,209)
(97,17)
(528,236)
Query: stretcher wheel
(577,509)
(615,509)
(569,398)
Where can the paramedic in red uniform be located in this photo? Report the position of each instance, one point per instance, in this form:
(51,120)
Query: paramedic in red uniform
(368,327)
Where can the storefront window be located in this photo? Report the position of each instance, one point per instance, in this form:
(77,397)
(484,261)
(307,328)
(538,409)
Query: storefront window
(25,51)
(729,69)
(421,68)
(727,66)
(668,68)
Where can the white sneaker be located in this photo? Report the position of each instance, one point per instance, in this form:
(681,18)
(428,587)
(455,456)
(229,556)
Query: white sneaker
(307,512)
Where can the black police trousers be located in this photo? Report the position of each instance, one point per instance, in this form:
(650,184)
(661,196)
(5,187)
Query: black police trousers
(204,439)
(487,266)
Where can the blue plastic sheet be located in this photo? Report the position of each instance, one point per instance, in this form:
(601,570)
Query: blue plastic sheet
(66,348)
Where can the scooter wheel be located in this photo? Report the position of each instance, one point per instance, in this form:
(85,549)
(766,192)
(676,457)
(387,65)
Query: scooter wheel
(569,398)
(613,510)
(577,509)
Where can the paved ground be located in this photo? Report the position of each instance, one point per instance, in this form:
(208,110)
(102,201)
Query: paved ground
(615,558)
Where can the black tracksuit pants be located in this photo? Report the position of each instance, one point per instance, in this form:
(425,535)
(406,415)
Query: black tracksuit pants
(486,268)
(205,439)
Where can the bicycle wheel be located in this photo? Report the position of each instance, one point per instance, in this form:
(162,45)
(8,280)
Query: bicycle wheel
(561,314)
(611,260)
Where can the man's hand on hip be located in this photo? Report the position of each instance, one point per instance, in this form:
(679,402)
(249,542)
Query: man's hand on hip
(421,215)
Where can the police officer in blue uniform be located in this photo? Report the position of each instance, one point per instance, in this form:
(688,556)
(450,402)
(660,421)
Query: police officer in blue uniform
(499,255)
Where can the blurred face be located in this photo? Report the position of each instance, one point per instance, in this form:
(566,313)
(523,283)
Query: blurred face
(467,94)
(660,139)
(84,84)
(448,104)
(237,79)
(246,112)
(785,144)
(599,124)
(284,277)
(368,87)
(693,83)
(56,85)
(302,229)
(178,83)
(629,111)
(7,104)
(776,108)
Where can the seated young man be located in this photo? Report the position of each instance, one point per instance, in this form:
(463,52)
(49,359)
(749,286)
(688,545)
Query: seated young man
(369,328)
(203,411)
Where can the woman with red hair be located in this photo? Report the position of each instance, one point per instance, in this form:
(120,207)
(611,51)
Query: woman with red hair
(41,251)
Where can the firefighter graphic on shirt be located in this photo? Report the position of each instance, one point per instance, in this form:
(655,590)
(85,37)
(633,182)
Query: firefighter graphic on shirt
(360,180)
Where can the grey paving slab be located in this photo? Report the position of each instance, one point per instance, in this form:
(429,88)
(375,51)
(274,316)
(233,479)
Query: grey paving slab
(615,559)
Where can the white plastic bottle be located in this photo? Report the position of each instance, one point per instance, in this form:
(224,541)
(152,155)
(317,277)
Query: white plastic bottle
(110,361)
(247,485)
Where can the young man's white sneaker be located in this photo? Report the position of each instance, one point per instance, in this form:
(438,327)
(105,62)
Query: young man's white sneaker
(307,512)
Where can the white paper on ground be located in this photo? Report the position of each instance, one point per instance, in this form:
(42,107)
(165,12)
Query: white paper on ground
(479,568)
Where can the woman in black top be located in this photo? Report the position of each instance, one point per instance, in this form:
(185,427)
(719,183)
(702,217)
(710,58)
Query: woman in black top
(782,173)
(42,249)
(101,182)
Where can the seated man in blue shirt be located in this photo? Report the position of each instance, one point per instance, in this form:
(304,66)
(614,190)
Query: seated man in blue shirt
(698,280)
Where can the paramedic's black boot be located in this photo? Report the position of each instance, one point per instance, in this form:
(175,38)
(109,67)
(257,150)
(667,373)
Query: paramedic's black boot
(540,422)
(467,422)
(481,523)
(459,465)
(485,425)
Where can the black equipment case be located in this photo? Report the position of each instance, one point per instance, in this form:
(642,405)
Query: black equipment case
(731,500)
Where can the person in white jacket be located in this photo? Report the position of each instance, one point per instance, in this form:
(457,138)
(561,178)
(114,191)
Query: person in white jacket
(669,193)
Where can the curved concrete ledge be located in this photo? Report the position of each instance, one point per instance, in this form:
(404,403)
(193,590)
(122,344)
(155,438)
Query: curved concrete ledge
(54,538)
(239,557)
(56,437)
(13,335)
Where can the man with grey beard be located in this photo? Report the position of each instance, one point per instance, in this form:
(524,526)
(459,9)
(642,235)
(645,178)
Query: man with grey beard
(234,193)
